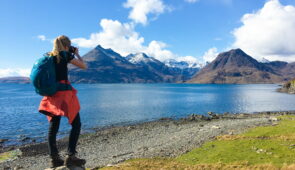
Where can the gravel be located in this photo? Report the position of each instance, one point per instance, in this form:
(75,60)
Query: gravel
(162,138)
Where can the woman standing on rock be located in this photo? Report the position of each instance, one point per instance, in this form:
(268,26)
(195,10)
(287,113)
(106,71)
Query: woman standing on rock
(63,103)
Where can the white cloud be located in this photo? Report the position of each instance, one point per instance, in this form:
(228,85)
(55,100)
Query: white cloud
(268,33)
(157,50)
(192,61)
(225,2)
(9,72)
(44,38)
(142,8)
(123,39)
(210,55)
(120,37)
(189,59)
(41,37)
(191,1)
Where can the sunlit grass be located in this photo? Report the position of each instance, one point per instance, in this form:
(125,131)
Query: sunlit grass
(270,147)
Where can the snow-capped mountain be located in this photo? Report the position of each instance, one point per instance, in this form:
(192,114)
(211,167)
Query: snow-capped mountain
(184,67)
(264,60)
(152,65)
(182,64)
(108,66)
(141,58)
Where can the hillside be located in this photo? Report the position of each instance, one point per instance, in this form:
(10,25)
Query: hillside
(236,67)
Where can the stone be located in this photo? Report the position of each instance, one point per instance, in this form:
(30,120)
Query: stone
(215,127)
(18,167)
(67,168)
(192,117)
(25,139)
(213,115)
(130,128)
(273,119)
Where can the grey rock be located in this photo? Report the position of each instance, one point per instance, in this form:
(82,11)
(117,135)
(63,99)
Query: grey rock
(66,168)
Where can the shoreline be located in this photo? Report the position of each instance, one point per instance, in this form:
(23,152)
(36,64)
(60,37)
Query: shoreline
(165,137)
(28,141)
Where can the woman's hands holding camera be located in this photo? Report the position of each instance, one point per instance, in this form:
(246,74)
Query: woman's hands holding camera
(76,52)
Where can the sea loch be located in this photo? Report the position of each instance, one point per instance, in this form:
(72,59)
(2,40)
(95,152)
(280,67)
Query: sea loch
(116,104)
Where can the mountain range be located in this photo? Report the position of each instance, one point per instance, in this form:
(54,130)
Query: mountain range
(107,66)
(236,67)
(19,80)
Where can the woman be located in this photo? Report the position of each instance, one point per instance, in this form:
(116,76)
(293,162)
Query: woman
(63,102)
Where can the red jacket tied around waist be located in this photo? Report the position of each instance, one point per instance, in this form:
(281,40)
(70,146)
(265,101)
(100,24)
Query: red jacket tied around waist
(62,103)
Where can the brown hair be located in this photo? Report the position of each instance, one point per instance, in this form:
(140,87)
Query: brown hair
(60,44)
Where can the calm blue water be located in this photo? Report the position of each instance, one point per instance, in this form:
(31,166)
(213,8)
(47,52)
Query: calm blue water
(112,104)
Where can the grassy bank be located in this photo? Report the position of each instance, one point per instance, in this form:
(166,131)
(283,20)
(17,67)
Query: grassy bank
(271,147)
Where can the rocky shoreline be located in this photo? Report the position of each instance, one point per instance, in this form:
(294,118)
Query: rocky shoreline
(162,138)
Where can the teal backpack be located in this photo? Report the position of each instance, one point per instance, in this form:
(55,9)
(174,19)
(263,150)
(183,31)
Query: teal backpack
(43,77)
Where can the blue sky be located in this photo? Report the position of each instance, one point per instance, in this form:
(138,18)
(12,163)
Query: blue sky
(190,30)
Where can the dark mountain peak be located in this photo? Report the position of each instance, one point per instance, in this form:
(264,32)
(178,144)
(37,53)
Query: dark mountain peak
(99,53)
(95,54)
(107,50)
(234,53)
(143,55)
(233,59)
(98,47)
(237,51)
(235,66)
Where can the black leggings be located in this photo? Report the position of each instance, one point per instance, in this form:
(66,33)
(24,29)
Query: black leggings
(73,139)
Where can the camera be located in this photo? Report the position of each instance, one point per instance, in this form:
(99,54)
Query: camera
(72,49)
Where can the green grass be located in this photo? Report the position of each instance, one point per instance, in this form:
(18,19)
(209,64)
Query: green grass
(252,151)
(269,147)
(261,145)
(285,127)
(9,155)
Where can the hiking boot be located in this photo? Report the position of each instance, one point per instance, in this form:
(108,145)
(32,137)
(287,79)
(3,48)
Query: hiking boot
(72,160)
(56,161)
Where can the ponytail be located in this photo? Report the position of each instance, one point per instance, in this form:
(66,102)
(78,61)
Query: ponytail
(60,44)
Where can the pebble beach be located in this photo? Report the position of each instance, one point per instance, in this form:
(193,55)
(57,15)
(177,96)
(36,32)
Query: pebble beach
(162,138)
